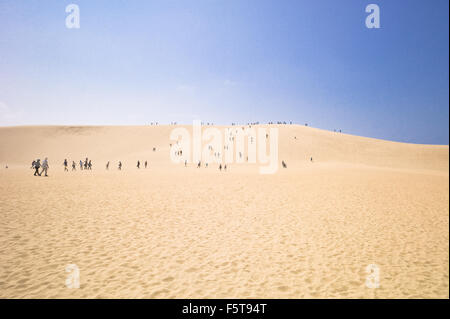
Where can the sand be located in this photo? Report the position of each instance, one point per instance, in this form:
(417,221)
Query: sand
(308,231)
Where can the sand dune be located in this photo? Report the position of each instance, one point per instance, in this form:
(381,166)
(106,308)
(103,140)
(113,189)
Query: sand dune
(308,231)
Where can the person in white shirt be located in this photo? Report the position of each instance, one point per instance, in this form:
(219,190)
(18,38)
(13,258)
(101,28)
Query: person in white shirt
(45,166)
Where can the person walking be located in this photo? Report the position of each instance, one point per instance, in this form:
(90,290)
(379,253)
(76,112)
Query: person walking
(120,166)
(145,164)
(90,165)
(74,166)
(36,167)
(45,167)
(138,164)
(107,166)
(81,165)
(65,165)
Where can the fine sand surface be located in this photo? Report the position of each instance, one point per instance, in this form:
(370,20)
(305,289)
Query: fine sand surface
(308,231)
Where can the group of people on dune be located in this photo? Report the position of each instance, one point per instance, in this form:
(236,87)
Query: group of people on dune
(36,165)
(86,164)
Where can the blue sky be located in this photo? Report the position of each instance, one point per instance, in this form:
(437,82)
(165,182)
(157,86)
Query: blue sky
(223,61)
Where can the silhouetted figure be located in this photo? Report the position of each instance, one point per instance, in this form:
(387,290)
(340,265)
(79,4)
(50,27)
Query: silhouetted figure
(81,165)
(37,166)
(74,166)
(311,159)
(199,164)
(138,164)
(90,164)
(145,164)
(32,164)
(284,164)
(65,165)
(220,167)
(86,163)
(107,166)
(185,163)
(225,167)
(120,166)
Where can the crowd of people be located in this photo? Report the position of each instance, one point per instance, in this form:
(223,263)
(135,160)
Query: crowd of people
(42,168)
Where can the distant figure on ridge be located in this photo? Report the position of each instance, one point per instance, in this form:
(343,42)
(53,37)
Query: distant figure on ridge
(284,164)
(120,166)
(107,166)
(145,164)
(138,164)
(65,165)
(74,166)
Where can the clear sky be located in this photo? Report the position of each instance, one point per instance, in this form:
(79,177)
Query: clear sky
(223,61)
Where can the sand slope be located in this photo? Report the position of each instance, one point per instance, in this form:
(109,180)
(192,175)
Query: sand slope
(308,231)
(20,145)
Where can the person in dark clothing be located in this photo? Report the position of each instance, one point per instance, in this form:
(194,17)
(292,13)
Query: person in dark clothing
(37,166)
